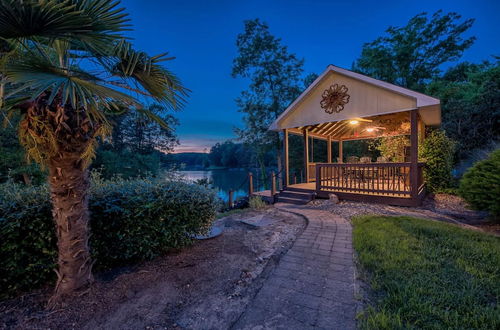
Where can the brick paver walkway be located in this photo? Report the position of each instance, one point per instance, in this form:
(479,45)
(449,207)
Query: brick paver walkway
(313,285)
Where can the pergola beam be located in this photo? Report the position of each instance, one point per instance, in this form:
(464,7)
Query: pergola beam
(326,127)
(300,131)
(336,128)
(340,133)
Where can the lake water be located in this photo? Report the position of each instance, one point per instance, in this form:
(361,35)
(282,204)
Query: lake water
(224,180)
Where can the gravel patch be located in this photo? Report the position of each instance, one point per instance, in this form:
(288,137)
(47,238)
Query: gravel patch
(439,207)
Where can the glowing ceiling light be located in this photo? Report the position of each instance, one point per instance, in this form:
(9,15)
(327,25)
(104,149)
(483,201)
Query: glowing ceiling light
(354,122)
(370,129)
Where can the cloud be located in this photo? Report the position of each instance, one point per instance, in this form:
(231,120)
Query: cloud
(197,143)
(199,135)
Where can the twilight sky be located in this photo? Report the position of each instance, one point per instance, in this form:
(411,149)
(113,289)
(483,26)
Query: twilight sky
(201,35)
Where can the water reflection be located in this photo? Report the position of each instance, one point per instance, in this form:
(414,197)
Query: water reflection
(224,180)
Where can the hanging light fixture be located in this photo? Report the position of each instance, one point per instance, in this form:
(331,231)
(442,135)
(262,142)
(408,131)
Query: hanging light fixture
(372,129)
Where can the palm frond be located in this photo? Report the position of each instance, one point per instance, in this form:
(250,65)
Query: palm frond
(144,72)
(89,152)
(35,75)
(64,64)
(84,19)
(153,117)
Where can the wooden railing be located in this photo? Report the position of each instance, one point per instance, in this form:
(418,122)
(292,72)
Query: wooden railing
(371,178)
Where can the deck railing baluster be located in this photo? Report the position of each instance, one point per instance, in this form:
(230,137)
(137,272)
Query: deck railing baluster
(383,179)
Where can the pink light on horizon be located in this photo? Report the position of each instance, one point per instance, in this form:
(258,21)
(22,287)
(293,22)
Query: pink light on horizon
(181,149)
(195,144)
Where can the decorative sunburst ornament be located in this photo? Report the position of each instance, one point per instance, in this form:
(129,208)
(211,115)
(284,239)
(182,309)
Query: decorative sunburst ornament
(335,98)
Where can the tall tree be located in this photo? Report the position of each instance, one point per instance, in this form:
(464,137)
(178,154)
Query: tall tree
(274,75)
(411,55)
(137,145)
(470,98)
(143,135)
(309,79)
(64,66)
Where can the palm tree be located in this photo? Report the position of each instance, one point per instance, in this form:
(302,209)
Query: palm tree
(65,66)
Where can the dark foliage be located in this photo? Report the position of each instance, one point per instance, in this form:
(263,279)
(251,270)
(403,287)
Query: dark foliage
(229,154)
(470,98)
(131,220)
(188,160)
(480,185)
(437,152)
(413,54)
(274,75)
(13,162)
(138,146)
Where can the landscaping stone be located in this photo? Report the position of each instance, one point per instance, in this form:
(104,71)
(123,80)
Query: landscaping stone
(259,220)
(333,198)
(214,232)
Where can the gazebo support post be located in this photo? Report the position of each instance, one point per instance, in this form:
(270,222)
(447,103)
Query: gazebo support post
(305,133)
(341,152)
(414,153)
(286,180)
(329,150)
(311,139)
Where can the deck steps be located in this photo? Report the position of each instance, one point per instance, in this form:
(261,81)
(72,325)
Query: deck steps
(295,196)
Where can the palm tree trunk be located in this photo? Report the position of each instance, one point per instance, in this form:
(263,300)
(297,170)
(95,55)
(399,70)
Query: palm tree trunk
(69,184)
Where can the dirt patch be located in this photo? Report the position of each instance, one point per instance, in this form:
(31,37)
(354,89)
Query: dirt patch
(440,207)
(204,286)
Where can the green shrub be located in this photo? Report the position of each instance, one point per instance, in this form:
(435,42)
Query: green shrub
(480,185)
(437,152)
(28,245)
(449,191)
(131,220)
(256,203)
(391,147)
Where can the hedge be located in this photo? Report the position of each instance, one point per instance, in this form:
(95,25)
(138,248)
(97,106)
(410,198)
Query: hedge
(131,220)
(437,152)
(480,185)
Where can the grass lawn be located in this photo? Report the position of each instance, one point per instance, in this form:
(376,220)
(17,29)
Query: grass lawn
(427,274)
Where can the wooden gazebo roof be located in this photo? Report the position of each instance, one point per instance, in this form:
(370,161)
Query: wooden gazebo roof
(370,100)
(393,124)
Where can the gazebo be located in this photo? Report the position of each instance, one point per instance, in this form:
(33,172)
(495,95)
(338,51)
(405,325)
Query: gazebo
(341,105)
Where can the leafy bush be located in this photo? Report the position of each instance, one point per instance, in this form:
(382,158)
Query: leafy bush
(480,185)
(437,152)
(131,220)
(448,191)
(28,247)
(391,147)
(256,203)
